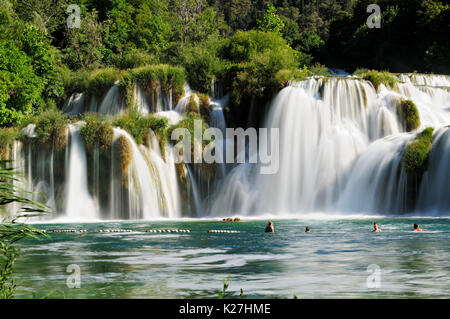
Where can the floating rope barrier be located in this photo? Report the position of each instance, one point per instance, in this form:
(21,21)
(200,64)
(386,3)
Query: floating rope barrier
(68,231)
(222,231)
(147,231)
(115,231)
(118,231)
(167,231)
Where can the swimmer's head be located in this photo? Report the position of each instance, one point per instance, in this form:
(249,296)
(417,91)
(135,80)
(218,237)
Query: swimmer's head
(416,226)
(307,229)
(270,223)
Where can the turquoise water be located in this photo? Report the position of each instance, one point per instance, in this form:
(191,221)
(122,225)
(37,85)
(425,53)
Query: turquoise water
(329,262)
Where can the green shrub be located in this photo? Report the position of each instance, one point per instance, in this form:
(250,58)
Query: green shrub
(283,77)
(134,58)
(202,63)
(409,114)
(93,82)
(319,69)
(360,71)
(377,78)
(97,133)
(51,128)
(415,157)
(138,126)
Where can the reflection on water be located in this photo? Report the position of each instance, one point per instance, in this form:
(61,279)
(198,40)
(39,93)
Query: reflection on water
(329,262)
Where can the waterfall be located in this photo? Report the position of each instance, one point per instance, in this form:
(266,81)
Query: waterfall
(182,105)
(140,100)
(111,103)
(79,203)
(341,146)
(194,190)
(152,185)
(435,187)
(74,105)
(341,151)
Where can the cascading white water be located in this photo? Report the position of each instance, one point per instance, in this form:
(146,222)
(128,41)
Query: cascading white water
(140,100)
(341,148)
(152,184)
(74,105)
(182,105)
(435,188)
(425,79)
(164,173)
(79,203)
(111,102)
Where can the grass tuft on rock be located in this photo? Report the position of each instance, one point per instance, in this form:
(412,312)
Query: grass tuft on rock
(126,155)
(415,157)
(380,77)
(96,133)
(139,127)
(409,115)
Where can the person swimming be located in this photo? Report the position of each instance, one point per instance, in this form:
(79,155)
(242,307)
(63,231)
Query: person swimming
(417,228)
(376,229)
(307,230)
(269,227)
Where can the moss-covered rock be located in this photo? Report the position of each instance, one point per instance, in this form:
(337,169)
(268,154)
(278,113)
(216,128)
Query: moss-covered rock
(125,155)
(192,106)
(150,77)
(205,107)
(409,115)
(415,157)
(96,133)
(138,126)
(284,76)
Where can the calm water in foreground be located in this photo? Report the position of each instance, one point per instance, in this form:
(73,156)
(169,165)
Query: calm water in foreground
(329,262)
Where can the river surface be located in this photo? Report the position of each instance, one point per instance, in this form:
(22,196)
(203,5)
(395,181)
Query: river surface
(331,261)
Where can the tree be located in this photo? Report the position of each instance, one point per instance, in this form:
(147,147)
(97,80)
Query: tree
(20,87)
(271,22)
(84,45)
(151,32)
(46,15)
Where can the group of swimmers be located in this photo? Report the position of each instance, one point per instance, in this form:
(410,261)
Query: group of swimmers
(376,228)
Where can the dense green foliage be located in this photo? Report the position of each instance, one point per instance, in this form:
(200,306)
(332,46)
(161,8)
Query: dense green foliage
(413,36)
(415,157)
